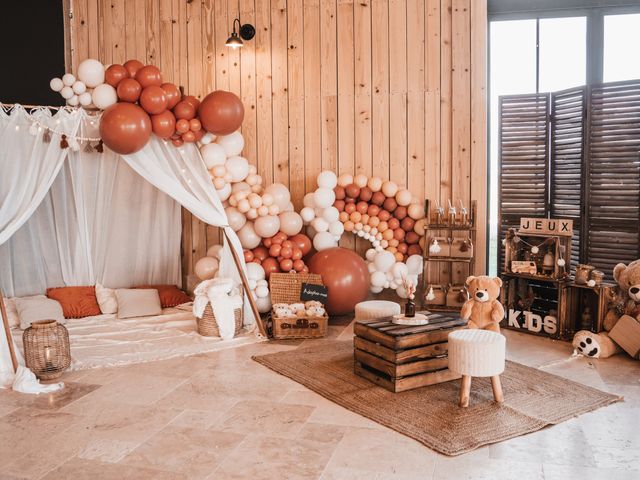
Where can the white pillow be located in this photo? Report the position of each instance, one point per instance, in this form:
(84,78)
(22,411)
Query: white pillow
(138,302)
(106,299)
(36,308)
(12,314)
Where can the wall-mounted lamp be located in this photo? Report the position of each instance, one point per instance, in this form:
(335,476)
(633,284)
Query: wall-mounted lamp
(247,32)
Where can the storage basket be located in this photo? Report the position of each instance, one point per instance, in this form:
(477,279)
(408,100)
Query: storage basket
(208,326)
(440,294)
(46,349)
(285,288)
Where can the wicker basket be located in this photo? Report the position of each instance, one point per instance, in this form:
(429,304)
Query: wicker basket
(285,288)
(208,326)
(46,349)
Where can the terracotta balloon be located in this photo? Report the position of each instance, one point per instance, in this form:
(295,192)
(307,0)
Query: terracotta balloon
(173,94)
(400,212)
(365,194)
(125,128)
(414,250)
(352,190)
(192,100)
(378,198)
(407,224)
(221,112)
(184,110)
(270,266)
(182,126)
(261,253)
(390,204)
(195,125)
(153,100)
(302,242)
(163,124)
(340,193)
(346,276)
(189,136)
(149,75)
(115,74)
(129,90)
(133,66)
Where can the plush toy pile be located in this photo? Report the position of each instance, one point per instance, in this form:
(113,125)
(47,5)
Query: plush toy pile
(311,308)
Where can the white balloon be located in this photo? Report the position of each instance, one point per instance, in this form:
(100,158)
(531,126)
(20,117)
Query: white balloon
(104,96)
(263,304)
(213,154)
(345,179)
(327,179)
(262,282)
(370,254)
(262,292)
(73,101)
(360,180)
(224,192)
(215,251)
(323,241)
(290,208)
(290,223)
(401,292)
(412,279)
(252,214)
(307,214)
(267,226)
(238,167)
(375,289)
(241,189)
(375,184)
(403,197)
(400,270)
(378,279)
(267,199)
(252,284)
(307,201)
(319,224)
(324,197)
(390,188)
(415,264)
(384,261)
(248,237)
(85,99)
(331,214)
(56,84)
(232,143)
(207,138)
(78,87)
(280,193)
(68,79)
(255,272)
(371,267)
(66,92)
(91,72)
(336,228)
(393,284)
(206,268)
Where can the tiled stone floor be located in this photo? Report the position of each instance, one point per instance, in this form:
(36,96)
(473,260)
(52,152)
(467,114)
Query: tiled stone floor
(223,416)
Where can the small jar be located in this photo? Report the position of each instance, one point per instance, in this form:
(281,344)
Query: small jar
(597,276)
(582,273)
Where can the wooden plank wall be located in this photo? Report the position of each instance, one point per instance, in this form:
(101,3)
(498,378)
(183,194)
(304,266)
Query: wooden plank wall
(395,88)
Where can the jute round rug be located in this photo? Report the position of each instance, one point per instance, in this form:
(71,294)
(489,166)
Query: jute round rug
(430,415)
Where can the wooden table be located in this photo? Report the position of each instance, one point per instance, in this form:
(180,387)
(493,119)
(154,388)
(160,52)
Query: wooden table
(401,357)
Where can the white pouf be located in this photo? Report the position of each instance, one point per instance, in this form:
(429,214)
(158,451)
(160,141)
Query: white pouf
(477,353)
(373,309)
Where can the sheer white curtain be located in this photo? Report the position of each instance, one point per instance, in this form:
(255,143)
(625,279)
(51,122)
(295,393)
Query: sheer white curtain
(181,173)
(99,222)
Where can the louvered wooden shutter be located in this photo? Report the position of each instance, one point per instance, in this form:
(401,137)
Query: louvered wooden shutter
(568,123)
(523,170)
(613,178)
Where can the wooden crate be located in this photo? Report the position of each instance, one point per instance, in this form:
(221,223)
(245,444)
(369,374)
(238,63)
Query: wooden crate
(401,357)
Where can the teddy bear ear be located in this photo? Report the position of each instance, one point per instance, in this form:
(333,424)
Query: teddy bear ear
(497,281)
(469,279)
(617,271)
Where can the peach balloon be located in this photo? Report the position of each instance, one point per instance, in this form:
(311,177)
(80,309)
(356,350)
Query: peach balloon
(348,226)
(345,179)
(419,226)
(394,243)
(362,207)
(375,184)
(394,223)
(373,210)
(374,221)
(403,197)
(360,180)
(350,208)
(399,256)
(389,189)
(343,217)
(384,215)
(415,211)
(387,234)
(383,226)
(206,268)
(355,217)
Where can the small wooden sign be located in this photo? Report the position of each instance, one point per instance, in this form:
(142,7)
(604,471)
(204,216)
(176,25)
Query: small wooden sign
(310,291)
(547,226)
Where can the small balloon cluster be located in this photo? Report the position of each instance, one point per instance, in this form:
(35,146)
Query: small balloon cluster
(387,272)
(88,88)
(258,286)
(280,253)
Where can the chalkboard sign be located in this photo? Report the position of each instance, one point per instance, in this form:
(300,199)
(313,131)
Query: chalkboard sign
(309,291)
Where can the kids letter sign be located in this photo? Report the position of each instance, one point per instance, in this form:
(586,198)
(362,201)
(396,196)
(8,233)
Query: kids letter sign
(547,226)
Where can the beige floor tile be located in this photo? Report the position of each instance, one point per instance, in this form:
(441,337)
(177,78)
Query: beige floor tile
(344,473)
(460,468)
(318,432)
(71,392)
(136,389)
(619,458)
(578,472)
(80,469)
(189,451)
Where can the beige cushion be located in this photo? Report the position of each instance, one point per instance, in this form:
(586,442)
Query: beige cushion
(138,302)
(106,299)
(373,309)
(36,308)
(477,353)
(12,314)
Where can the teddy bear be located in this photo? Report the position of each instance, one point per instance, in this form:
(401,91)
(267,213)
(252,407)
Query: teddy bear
(298,309)
(483,310)
(625,302)
(283,311)
(314,308)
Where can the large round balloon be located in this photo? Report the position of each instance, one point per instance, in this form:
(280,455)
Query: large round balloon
(103,96)
(153,100)
(149,75)
(132,67)
(129,90)
(346,276)
(91,72)
(172,93)
(115,74)
(163,124)
(221,112)
(125,128)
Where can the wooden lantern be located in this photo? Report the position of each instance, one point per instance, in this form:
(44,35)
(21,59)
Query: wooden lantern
(46,349)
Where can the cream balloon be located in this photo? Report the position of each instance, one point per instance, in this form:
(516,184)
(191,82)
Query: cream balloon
(378,279)
(232,143)
(206,268)
(263,304)
(248,237)
(307,214)
(215,251)
(331,214)
(68,79)
(104,95)
(289,207)
(56,84)
(415,211)
(324,197)
(403,197)
(280,194)
(255,200)
(252,214)
(267,226)
(224,192)
(415,264)
(238,167)
(389,188)
(360,180)
(213,154)
(219,183)
(207,138)
(91,72)
(307,200)
(262,292)
(345,179)
(319,224)
(400,270)
(73,101)
(255,272)
(66,92)
(85,99)
(327,179)
(290,223)
(78,87)
(323,241)
(384,261)
(235,218)
(267,199)
(244,206)
(336,228)
(375,184)
(242,189)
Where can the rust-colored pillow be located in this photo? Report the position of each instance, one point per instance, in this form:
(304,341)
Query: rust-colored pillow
(77,302)
(170,295)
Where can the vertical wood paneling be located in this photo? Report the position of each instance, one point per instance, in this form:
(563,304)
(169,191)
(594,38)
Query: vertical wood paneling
(394,88)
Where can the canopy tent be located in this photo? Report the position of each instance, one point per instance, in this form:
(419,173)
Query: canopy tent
(31,158)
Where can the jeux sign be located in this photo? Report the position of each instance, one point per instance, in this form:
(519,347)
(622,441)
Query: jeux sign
(532,322)
(546,226)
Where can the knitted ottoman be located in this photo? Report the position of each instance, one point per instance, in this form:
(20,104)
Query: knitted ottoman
(477,353)
(376,309)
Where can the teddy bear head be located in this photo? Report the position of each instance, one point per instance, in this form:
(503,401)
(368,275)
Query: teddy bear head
(282,312)
(483,288)
(628,277)
(315,311)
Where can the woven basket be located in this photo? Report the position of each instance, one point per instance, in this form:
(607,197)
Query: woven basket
(208,326)
(46,349)
(285,288)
